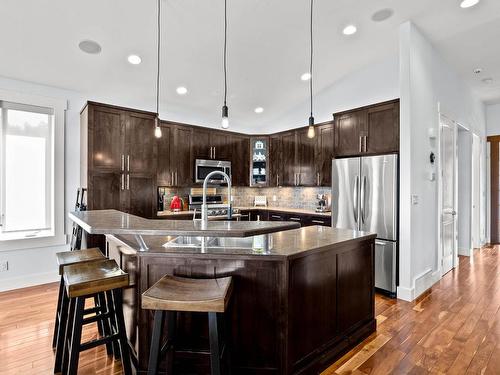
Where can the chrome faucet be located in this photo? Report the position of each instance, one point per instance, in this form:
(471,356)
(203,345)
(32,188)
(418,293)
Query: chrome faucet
(204,207)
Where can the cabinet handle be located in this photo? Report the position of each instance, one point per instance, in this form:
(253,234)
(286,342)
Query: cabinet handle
(275,217)
(123,182)
(123,163)
(176,178)
(277,180)
(360,143)
(295,218)
(171,178)
(318,222)
(365,137)
(214,152)
(128,181)
(317,179)
(128,163)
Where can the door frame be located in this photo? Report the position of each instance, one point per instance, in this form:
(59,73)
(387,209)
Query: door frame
(440,192)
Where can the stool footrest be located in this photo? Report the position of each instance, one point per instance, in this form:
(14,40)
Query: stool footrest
(167,345)
(95,318)
(99,341)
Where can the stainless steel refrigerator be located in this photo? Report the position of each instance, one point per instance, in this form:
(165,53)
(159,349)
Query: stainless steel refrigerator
(365,197)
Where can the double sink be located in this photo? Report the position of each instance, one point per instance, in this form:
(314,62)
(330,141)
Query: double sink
(254,243)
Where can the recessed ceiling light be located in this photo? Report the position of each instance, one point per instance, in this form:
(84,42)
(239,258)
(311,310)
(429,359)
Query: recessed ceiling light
(468,3)
(259,110)
(478,71)
(89,46)
(305,77)
(349,30)
(134,59)
(488,81)
(181,90)
(382,14)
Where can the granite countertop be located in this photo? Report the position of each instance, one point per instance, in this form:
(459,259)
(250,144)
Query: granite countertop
(251,208)
(292,243)
(117,222)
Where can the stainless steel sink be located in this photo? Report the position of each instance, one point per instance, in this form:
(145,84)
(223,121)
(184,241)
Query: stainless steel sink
(211,242)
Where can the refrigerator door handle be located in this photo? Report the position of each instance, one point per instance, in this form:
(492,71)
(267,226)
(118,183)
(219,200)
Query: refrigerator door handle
(355,203)
(362,199)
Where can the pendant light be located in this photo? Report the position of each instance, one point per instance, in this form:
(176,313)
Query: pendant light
(310,130)
(157,119)
(225,111)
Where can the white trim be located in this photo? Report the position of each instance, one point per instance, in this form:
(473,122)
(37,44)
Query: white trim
(465,252)
(406,294)
(426,280)
(32,280)
(59,106)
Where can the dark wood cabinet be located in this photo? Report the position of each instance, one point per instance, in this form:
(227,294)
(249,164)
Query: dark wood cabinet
(240,156)
(275,161)
(382,129)
(307,174)
(175,166)
(324,154)
(349,132)
(367,131)
(118,159)
(212,144)
(202,149)
(288,159)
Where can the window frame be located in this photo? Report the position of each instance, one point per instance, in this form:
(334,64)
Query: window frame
(59,107)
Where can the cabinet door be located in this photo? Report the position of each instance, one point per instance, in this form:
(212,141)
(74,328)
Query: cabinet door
(201,144)
(106,131)
(140,144)
(382,134)
(140,196)
(275,164)
(306,159)
(289,169)
(221,143)
(349,127)
(240,160)
(104,190)
(324,154)
(180,156)
(164,172)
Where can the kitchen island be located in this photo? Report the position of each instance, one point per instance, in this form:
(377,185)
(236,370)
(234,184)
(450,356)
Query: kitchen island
(296,306)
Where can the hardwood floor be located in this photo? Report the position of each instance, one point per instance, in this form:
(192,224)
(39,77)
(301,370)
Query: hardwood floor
(454,328)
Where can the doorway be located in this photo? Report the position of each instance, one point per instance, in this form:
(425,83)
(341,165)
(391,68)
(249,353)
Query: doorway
(448,193)
(476,224)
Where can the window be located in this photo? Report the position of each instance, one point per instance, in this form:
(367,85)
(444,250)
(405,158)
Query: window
(31,176)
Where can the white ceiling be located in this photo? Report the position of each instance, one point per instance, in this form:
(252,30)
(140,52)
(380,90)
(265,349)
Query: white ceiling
(268,50)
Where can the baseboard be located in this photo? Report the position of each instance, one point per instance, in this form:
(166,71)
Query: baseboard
(465,252)
(425,280)
(32,280)
(406,294)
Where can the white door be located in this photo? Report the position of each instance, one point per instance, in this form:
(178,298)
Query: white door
(449,236)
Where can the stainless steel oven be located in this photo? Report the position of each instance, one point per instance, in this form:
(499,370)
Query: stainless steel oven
(203,167)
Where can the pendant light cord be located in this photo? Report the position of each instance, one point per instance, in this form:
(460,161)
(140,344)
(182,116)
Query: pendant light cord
(225,51)
(311,60)
(158,63)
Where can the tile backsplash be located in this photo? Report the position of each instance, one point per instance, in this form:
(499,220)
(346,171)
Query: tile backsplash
(286,197)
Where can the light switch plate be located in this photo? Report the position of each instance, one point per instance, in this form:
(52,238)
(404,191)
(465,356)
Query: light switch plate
(4,266)
(414,199)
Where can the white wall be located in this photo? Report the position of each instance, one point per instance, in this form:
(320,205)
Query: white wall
(37,265)
(375,83)
(427,83)
(493,119)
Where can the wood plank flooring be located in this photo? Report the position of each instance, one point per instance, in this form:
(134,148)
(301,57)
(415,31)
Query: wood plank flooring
(454,328)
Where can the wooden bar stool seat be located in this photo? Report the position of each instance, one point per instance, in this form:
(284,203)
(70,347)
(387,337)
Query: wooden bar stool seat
(67,258)
(85,280)
(173,294)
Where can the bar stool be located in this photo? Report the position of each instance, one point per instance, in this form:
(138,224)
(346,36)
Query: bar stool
(83,281)
(173,294)
(65,259)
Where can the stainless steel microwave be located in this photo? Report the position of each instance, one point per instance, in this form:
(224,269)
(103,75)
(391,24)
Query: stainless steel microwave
(203,167)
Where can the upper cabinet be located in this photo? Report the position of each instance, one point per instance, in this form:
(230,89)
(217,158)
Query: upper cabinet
(212,144)
(118,151)
(324,154)
(240,154)
(259,161)
(368,130)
